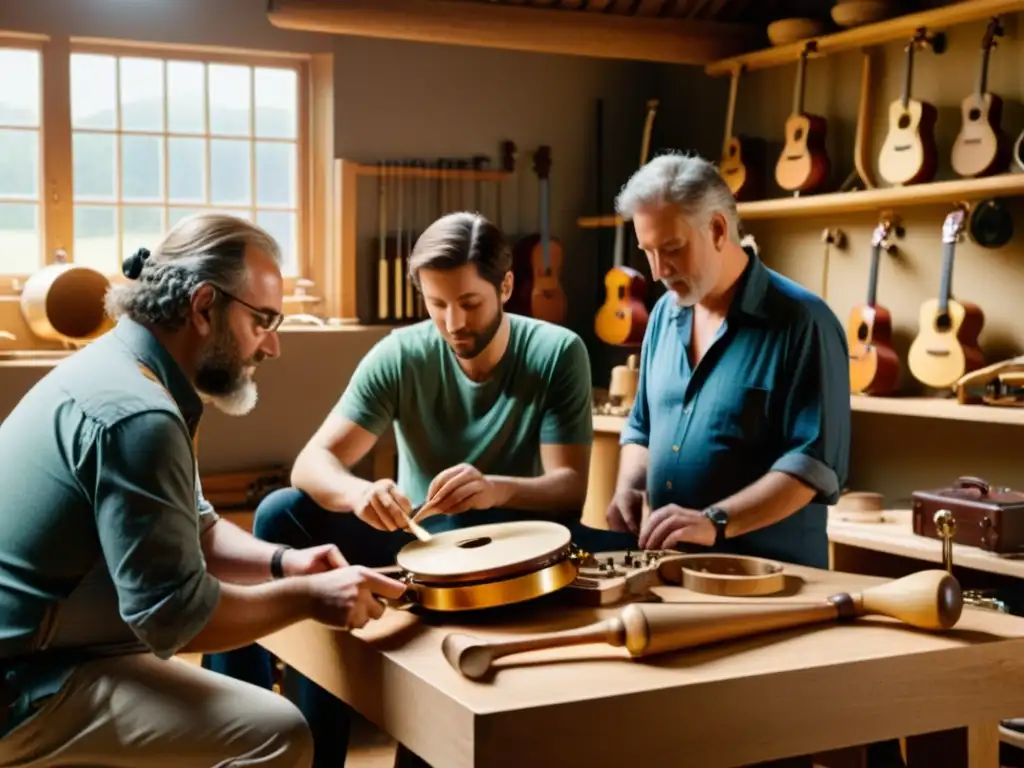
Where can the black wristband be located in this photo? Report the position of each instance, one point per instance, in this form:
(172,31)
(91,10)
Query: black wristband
(275,562)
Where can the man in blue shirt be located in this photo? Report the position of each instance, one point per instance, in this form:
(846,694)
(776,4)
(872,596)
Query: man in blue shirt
(111,560)
(740,430)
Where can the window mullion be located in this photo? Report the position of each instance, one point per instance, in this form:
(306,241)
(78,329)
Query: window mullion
(57,198)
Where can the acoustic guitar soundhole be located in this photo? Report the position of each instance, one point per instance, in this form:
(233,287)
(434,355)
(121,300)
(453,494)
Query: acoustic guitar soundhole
(862,332)
(974,114)
(904,120)
(943,322)
(798,134)
(480,541)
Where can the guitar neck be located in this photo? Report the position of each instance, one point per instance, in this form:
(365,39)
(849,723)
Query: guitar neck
(545,224)
(946,285)
(876,251)
(982,84)
(730,114)
(645,143)
(908,74)
(798,91)
(620,244)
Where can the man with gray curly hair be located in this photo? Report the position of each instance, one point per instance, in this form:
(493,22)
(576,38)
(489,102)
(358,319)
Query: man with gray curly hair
(111,560)
(740,430)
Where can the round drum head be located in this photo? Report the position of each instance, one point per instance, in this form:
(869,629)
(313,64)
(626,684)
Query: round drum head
(482,552)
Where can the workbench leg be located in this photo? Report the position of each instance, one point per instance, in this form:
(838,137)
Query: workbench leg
(983,746)
(974,747)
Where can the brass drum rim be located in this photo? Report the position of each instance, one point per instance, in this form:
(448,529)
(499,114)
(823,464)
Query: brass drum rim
(497,593)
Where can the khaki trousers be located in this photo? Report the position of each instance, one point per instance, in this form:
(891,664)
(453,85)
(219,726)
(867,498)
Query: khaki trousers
(133,711)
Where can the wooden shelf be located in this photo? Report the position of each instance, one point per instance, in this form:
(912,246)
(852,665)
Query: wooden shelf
(519,28)
(938,408)
(898,29)
(934,193)
(895,536)
(919,407)
(596,222)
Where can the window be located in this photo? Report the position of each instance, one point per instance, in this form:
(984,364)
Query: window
(21,240)
(156,138)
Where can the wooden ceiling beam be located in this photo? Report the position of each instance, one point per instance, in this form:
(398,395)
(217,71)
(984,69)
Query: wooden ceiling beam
(519,28)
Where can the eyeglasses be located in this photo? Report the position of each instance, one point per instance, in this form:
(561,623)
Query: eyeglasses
(267,319)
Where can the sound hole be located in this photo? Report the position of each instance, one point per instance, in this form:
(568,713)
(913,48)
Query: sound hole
(862,332)
(974,114)
(732,150)
(480,541)
(904,121)
(798,134)
(943,322)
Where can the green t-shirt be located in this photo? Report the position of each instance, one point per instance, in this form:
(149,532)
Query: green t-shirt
(540,392)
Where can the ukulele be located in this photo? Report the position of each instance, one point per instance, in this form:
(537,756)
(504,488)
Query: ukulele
(981,145)
(803,165)
(622,319)
(909,154)
(742,164)
(547,299)
(874,364)
(946,346)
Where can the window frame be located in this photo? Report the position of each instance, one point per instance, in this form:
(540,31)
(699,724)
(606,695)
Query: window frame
(314,143)
(31,42)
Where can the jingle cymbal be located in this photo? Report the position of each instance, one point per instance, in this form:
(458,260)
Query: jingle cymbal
(486,552)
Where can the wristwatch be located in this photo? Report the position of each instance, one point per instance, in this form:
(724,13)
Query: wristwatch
(720,518)
(276,571)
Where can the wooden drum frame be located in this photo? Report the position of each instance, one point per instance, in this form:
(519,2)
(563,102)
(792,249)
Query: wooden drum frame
(725,575)
(65,302)
(486,566)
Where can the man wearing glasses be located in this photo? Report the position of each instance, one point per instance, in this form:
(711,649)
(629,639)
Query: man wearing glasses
(111,561)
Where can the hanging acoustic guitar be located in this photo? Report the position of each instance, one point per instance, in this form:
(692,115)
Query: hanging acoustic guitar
(981,147)
(909,154)
(874,364)
(742,164)
(803,165)
(946,346)
(622,319)
(547,298)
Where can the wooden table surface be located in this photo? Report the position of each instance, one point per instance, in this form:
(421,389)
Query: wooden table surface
(794,692)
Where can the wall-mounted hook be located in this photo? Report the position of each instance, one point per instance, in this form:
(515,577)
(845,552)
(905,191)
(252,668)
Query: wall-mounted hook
(834,236)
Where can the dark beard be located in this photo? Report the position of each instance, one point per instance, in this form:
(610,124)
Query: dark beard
(482,338)
(221,369)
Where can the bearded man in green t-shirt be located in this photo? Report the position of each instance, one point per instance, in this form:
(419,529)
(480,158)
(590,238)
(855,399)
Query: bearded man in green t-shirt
(493,422)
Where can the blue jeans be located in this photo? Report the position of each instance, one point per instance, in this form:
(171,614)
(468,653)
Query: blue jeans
(289,516)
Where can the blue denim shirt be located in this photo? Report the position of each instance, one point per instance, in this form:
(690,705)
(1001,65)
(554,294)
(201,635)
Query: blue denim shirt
(772,393)
(100,515)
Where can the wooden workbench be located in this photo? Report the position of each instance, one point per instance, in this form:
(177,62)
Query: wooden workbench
(796,692)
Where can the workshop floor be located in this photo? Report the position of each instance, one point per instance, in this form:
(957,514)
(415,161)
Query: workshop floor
(369,747)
